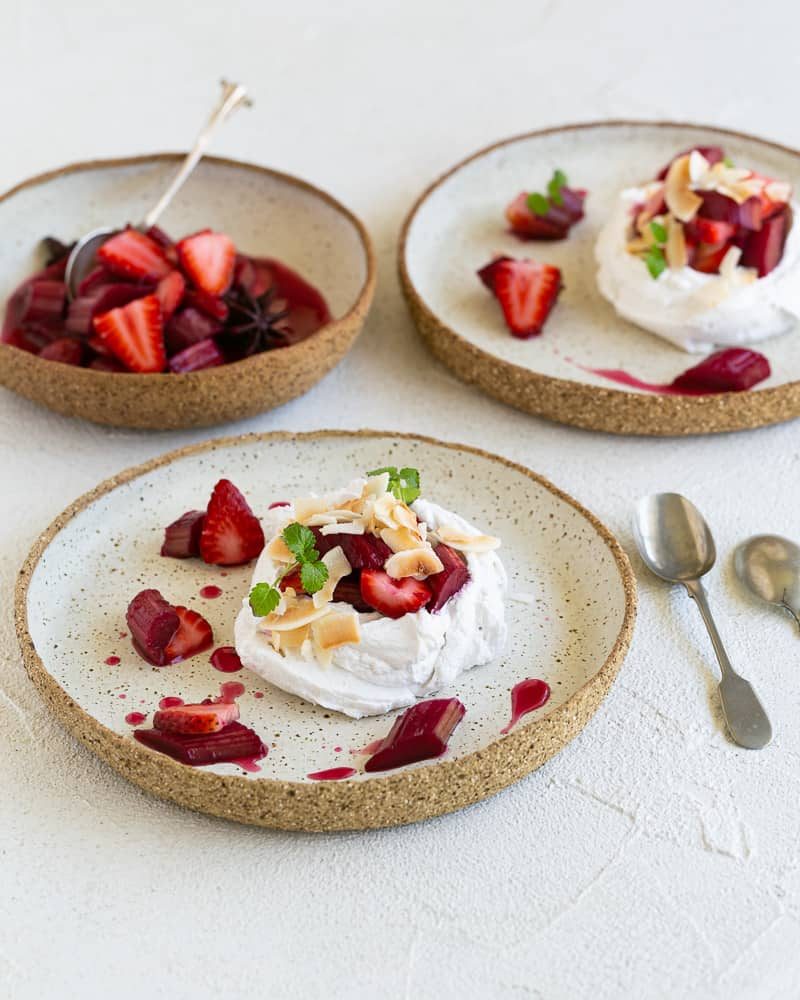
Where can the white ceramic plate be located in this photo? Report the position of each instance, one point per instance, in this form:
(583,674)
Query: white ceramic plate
(458,225)
(84,570)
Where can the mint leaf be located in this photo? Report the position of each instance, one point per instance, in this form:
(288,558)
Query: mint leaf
(264,598)
(659,231)
(656,261)
(391,469)
(557,181)
(313,576)
(538,204)
(407,488)
(300,541)
(727,161)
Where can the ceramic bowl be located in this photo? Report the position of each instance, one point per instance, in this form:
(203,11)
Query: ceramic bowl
(266,213)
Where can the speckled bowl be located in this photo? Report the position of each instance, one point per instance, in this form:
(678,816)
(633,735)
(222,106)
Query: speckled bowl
(458,224)
(572,630)
(266,213)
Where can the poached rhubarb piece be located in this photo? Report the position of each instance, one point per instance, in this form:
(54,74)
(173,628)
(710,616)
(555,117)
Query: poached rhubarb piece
(182,537)
(732,370)
(420,733)
(233,743)
(361,551)
(552,224)
(155,306)
(526,291)
(450,581)
(163,634)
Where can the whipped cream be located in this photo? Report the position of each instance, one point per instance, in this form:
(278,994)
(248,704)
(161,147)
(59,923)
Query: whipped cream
(397,660)
(692,310)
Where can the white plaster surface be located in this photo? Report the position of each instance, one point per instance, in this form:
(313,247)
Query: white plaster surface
(651,858)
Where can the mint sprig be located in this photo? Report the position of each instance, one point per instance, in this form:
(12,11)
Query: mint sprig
(264,598)
(656,261)
(404,483)
(541,204)
(659,232)
(300,541)
(557,181)
(538,204)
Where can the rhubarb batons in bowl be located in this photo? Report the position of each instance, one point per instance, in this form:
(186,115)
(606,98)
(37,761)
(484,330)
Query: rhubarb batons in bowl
(252,288)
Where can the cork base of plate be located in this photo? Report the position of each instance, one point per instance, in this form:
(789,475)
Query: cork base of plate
(574,634)
(266,213)
(457,225)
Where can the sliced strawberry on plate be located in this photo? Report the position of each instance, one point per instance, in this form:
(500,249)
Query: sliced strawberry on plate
(232,534)
(169,292)
(208,260)
(527,292)
(134,334)
(196,718)
(488,272)
(393,598)
(134,255)
(194,635)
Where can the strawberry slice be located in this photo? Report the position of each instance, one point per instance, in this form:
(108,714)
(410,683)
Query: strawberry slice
(196,718)
(393,598)
(134,255)
(293,580)
(488,272)
(232,534)
(708,257)
(169,293)
(527,292)
(134,334)
(193,636)
(208,260)
(710,230)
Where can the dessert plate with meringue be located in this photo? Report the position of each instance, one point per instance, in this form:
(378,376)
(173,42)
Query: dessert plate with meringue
(632,277)
(331,630)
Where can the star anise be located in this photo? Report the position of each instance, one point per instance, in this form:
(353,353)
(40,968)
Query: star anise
(256,319)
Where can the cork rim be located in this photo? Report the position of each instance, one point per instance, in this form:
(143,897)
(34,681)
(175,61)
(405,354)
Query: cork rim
(394,798)
(333,339)
(581,404)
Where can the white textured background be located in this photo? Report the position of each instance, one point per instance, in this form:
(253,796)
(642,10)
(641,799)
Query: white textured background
(651,858)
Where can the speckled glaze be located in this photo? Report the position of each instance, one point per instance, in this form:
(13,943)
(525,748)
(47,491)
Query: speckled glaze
(266,213)
(458,224)
(572,631)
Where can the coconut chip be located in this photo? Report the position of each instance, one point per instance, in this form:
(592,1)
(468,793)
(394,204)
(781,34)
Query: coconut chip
(463,542)
(402,539)
(418,563)
(338,568)
(338,628)
(675,248)
(682,202)
(299,611)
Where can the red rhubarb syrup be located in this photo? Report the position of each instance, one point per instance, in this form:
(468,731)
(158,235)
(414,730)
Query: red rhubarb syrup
(112,661)
(135,718)
(226,660)
(333,774)
(526,696)
(210,592)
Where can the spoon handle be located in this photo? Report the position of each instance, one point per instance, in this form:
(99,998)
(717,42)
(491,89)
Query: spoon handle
(746,719)
(233,96)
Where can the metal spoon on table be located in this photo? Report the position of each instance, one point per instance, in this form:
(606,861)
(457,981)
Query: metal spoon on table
(769,566)
(81,258)
(676,544)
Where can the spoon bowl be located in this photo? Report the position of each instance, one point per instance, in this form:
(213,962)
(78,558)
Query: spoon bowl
(769,566)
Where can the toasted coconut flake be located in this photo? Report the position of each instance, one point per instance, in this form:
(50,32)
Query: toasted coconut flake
(698,166)
(336,629)
(307,507)
(278,551)
(384,511)
(376,486)
(638,245)
(336,516)
(405,516)
(299,612)
(682,202)
(338,567)
(778,191)
(675,248)
(402,539)
(291,639)
(418,563)
(464,542)
(344,528)
(730,262)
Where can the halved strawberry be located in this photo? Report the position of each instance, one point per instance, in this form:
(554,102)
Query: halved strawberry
(488,272)
(169,293)
(134,334)
(193,636)
(711,230)
(708,257)
(134,255)
(393,598)
(527,291)
(293,580)
(196,718)
(232,534)
(208,260)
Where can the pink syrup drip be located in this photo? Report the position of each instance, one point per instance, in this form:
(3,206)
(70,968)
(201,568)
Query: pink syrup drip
(224,572)
(122,635)
(333,774)
(258,694)
(112,661)
(337,749)
(226,660)
(622,377)
(526,696)
(170,701)
(230,691)
(135,718)
(122,696)
(250,763)
(210,592)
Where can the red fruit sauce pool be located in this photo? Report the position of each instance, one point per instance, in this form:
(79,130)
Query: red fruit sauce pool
(526,696)
(210,592)
(170,701)
(226,660)
(112,661)
(135,718)
(230,691)
(333,774)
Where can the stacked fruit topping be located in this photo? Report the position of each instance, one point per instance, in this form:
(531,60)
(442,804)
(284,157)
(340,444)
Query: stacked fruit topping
(151,305)
(227,533)
(164,634)
(526,291)
(535,216)
(420,733)
(707,214)
(368,550)
(208,733)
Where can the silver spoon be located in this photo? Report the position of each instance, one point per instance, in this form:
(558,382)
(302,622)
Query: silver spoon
(676,544)
(81,259)
(769,566)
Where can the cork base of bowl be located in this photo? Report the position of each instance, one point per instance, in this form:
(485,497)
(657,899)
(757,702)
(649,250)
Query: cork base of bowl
(408,795)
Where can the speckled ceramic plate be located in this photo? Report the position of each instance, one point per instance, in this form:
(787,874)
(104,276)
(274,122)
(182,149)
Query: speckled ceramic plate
(458,224)
(572,632)
(266,214)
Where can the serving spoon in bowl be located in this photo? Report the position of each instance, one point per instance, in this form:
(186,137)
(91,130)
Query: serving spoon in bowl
(676,544)
(82,256)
